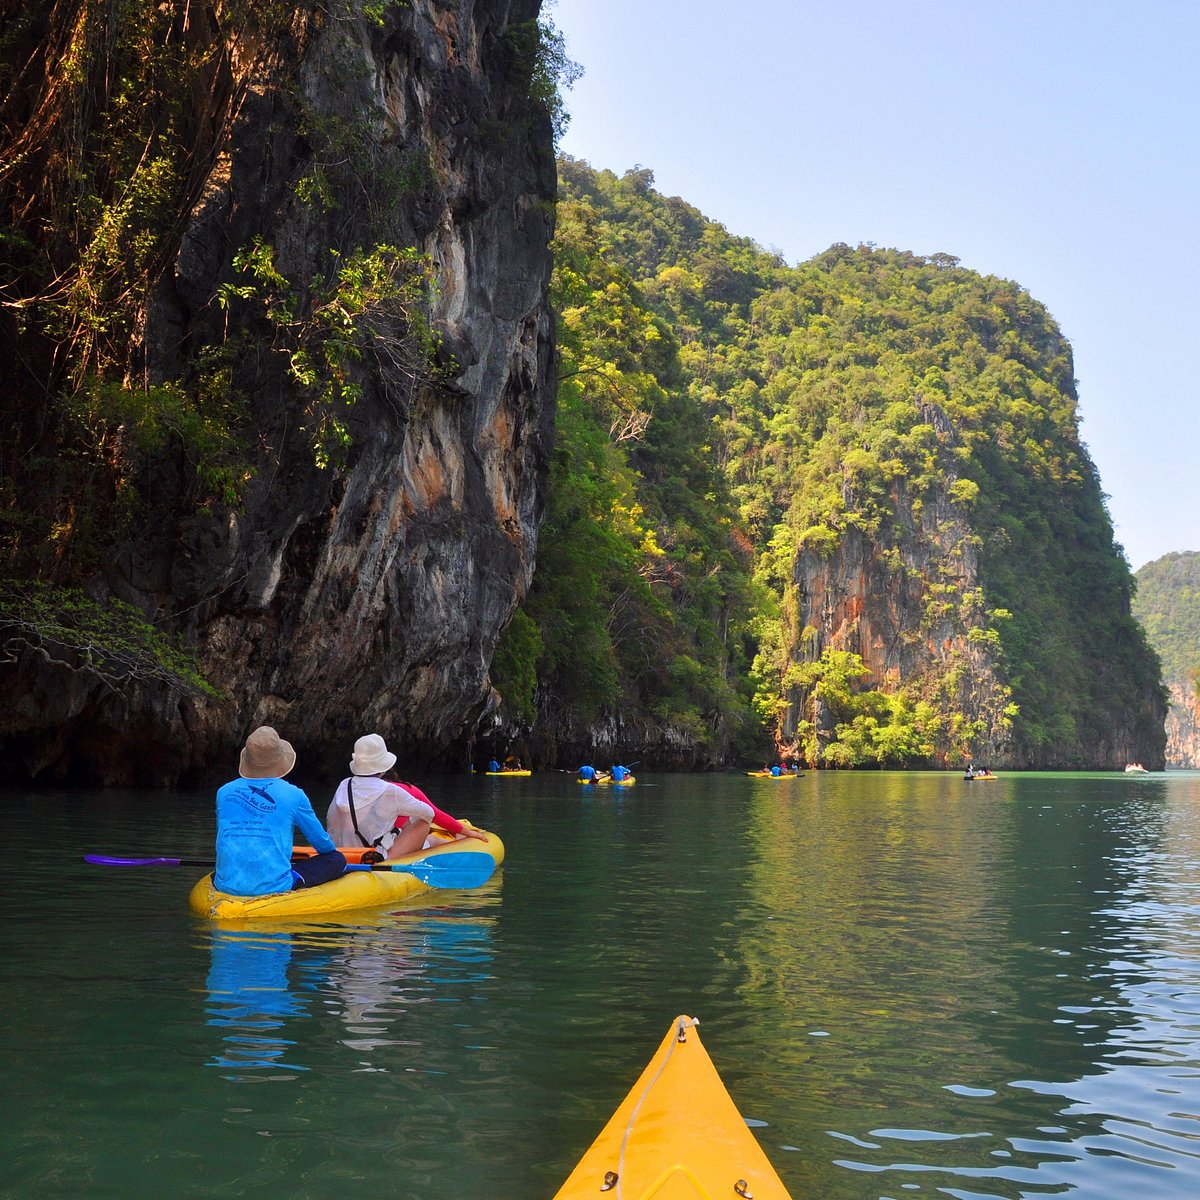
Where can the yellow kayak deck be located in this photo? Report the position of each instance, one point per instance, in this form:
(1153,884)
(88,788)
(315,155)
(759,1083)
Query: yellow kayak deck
(354,890)
(677,1136)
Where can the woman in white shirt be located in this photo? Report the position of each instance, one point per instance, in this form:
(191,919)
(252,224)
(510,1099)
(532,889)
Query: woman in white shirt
(389,818)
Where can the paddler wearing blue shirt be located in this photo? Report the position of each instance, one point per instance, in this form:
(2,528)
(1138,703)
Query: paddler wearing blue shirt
(256,816)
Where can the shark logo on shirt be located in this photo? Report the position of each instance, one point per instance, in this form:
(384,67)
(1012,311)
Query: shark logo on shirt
(265,801)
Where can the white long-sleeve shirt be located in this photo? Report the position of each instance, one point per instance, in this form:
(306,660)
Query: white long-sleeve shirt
(379,805)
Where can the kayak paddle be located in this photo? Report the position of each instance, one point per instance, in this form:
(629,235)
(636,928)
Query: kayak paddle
(465,869)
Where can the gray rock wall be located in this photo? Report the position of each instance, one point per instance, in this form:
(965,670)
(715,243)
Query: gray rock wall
(366,596)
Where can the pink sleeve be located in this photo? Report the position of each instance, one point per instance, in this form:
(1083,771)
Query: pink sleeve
(410,802)
(440,819)
(445,821)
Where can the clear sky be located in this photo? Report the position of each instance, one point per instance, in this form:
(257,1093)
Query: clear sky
(1051,142)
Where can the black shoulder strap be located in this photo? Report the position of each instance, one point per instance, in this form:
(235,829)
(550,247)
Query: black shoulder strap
(354,816)
(354,820)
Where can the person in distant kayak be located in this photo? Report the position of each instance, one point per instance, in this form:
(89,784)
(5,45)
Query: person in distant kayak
(256,816)
(620,774)
(776,770)
(383,815)
(588,772)
(493,765)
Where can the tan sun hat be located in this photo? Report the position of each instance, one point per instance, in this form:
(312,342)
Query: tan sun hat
(266,755)
(371,756)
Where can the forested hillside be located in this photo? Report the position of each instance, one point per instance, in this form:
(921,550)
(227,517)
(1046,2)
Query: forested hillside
(1168,605)
(841,507)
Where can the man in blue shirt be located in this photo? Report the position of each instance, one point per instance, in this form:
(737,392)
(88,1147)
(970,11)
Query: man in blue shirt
(256,814)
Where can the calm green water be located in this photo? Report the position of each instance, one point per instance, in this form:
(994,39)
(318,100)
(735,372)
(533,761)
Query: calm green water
(912,987)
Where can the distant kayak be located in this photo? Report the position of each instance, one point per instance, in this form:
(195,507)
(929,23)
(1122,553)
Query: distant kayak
(508,772)
(628,781)
(980,778)
(781,775)
(1135,769)
(676,1134)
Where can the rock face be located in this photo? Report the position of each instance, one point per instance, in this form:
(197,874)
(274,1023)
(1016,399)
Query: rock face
(926,611)
(1183,727)
(876,598)
(1168,605)
(365,595)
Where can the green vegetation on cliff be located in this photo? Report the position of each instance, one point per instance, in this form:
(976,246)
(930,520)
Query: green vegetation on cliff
(1168,605)
(723,414)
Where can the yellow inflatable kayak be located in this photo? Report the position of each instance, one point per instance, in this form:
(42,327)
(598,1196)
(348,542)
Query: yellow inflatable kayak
(508,772)
(354,890)
(676,1136)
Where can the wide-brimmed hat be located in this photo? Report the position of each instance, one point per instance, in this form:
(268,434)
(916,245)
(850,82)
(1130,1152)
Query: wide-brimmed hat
(371,756)
(266,755)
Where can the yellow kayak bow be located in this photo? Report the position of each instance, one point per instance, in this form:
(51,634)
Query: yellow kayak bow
(676,1136)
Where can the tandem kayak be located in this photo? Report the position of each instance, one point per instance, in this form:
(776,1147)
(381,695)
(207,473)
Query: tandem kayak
(354,890)
(628,781)
(781,775)
(508,772)
(676,1136)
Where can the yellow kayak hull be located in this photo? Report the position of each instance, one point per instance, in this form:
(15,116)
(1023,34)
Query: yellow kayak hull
(356,890)
(508,772)
(677,1136)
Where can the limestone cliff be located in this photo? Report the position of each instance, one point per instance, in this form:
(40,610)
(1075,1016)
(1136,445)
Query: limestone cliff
(393,466)
(1183,727)
(910,603)
(1168,605)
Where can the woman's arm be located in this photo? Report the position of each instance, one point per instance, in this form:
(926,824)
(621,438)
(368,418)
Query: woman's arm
(443,820)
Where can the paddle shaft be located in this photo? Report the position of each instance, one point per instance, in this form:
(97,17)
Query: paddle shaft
(463,869)
(105,860)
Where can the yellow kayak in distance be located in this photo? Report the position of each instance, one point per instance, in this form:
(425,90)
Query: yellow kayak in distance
(508,772)
(677,1136)
(781,775)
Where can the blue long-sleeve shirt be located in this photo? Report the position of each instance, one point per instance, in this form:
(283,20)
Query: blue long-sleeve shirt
(255,819)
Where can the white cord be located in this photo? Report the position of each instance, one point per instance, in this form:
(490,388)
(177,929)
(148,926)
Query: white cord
(684,1023)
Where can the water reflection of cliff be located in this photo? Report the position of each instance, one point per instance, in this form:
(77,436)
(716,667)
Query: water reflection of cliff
(925,939)
(265,982)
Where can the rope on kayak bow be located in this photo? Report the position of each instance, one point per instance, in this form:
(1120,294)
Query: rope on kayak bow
(612,1179)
